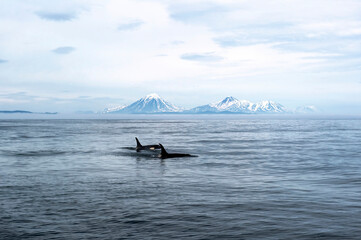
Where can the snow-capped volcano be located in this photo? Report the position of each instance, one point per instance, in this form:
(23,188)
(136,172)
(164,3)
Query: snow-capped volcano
(233,105)
(151,103)
(229,104)
(226,103)
(268,107)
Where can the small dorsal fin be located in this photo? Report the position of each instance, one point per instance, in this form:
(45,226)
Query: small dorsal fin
(138,143)
(163,151)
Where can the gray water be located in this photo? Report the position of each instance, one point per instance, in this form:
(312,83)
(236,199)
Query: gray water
(252,179)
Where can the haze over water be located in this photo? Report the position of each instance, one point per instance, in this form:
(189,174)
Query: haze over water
(254,178)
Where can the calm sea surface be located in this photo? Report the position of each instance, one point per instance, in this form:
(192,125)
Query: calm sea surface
(252,179)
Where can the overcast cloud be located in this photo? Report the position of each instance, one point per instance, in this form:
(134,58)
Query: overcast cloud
(189,52)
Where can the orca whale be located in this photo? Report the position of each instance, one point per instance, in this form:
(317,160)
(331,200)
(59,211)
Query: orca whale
(164,154)
(140,147)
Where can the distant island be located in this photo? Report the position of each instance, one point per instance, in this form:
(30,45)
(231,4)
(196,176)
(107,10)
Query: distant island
(153,104)
(25,112)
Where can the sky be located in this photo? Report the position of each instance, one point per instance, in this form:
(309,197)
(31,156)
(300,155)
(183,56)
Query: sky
(77,55)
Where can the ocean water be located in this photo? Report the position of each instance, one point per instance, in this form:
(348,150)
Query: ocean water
(253,179)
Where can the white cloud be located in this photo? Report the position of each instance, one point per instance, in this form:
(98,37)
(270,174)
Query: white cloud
(130,47)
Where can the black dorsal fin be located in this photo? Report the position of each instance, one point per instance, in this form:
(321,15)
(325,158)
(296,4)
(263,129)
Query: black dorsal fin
(138,143)
(163,151)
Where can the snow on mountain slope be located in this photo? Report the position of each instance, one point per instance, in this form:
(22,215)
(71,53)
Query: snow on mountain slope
(229,104)
(226,103)
(268,107)
(233,105)
(151,103)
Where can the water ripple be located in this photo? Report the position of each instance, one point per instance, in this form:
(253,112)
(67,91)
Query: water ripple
(253,179)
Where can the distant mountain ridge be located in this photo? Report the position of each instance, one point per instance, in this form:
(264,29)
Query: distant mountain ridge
(306,110)
(233,105)
(113,109)
(152,103)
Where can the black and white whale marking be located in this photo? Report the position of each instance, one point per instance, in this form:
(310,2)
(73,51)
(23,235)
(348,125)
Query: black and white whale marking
(140,147)
(164,154)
